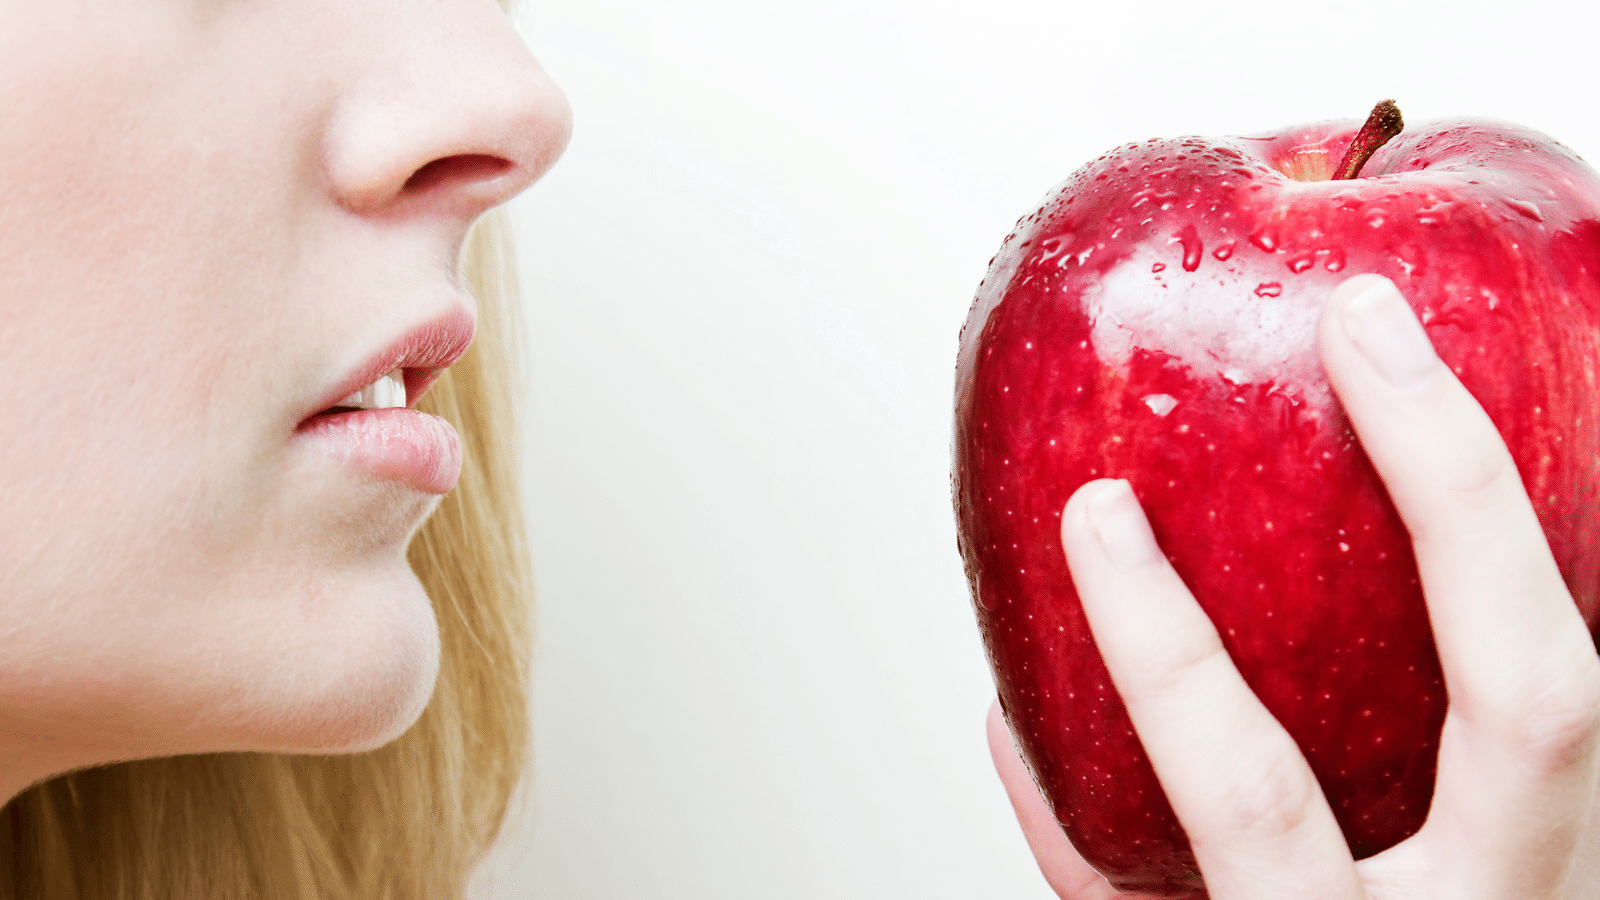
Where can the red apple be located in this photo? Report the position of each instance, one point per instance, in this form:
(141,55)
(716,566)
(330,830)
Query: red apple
(1155,319)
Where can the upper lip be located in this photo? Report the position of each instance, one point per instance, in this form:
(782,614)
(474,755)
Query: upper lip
(423,352)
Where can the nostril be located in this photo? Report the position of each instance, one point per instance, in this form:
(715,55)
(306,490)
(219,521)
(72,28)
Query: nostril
(460,169)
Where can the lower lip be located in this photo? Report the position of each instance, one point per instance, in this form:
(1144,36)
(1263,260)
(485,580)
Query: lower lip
(401,445)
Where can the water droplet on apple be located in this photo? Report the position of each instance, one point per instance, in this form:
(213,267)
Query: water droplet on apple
(1302,262)
(985,599)
(1266,240)
(1269,289)
(1527,208)
(1335,260)
(1052,247)
(1158,267)
(1192,248)
(1225,251)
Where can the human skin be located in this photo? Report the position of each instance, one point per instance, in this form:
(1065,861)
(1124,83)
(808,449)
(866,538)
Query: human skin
(210,214)
(1513,815)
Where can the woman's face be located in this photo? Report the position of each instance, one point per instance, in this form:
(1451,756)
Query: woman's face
(217,219)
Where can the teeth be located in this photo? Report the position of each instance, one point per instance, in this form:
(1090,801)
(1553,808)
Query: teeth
(387,392)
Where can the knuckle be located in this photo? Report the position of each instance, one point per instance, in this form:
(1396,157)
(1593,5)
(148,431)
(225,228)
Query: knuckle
(1471,492)
(1269,794)
(1179,660)
(1481,473)
(1553,720)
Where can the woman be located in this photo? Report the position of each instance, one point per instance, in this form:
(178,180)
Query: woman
(230,247)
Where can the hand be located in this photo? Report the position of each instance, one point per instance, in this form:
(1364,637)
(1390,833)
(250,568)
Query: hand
(1514,806)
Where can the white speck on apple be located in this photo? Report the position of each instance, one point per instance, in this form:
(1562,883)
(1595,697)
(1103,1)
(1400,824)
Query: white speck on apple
(1160,404)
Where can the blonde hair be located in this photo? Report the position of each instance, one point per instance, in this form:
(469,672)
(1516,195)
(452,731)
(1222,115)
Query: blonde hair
(405,821)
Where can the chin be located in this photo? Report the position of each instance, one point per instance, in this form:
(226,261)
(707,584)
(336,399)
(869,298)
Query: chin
(357,670)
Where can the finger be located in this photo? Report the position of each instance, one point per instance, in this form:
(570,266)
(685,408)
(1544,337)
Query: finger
(1065,871)
(1518,761)
(1255,815)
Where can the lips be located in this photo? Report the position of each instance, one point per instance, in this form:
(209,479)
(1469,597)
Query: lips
(421,354)
(364,420)
(397,445)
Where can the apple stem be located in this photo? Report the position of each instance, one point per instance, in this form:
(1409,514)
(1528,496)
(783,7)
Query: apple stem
(1384,123)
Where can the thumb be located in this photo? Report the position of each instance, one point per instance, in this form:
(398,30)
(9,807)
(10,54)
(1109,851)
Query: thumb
(1063,868)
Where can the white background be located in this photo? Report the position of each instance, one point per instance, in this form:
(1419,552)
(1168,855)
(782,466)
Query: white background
(758,675)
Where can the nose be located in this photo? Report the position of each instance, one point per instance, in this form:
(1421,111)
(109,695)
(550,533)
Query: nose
(450,116)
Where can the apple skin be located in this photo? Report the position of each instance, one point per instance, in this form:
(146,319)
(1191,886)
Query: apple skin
(1155,319)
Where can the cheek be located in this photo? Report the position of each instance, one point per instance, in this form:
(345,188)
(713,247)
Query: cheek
(147,228)
(130,449)
(140,305)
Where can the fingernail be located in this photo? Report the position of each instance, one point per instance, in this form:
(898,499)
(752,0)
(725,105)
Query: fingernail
(1124,532)
(1383,328)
